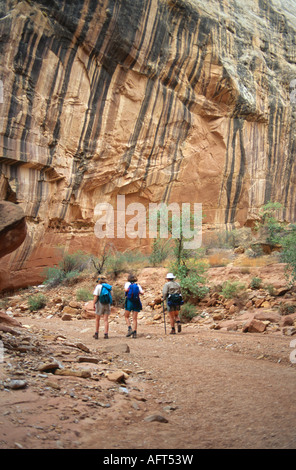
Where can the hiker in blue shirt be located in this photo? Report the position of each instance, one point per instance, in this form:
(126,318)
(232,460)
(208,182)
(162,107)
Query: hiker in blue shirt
(102,305)
(132,304)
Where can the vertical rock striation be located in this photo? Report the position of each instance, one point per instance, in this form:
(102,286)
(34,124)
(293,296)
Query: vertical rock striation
(159,100)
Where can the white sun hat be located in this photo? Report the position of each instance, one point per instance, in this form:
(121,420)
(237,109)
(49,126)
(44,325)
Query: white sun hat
(170,276)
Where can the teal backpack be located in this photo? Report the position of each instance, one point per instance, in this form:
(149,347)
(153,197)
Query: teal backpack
(105,294)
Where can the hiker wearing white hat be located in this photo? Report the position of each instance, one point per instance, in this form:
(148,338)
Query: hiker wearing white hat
(170,276)
(172,294)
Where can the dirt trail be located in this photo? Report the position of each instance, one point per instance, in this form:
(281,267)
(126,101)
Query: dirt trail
(214,389)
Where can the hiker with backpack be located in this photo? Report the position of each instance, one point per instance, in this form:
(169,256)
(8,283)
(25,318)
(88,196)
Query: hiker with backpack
(172,294)
(132,304)
(102,305)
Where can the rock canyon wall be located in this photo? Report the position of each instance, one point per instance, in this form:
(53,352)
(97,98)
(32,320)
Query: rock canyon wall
(157,100)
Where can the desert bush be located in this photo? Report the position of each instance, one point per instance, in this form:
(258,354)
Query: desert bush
(75,262)
(68,270)
(53,276)
(288,254)
(286,309)
(269,223)
(192,281)
(256,283)
(270,289)
(135,258)
(160,251)
(116,264)
(193,287)
(231,289)
(36,302)
(83,295)
(72,277)
(187,312)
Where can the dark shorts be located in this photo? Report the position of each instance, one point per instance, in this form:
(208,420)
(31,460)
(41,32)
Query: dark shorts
(173,308)
(133,306)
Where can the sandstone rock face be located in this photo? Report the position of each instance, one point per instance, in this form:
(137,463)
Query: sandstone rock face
(172,100)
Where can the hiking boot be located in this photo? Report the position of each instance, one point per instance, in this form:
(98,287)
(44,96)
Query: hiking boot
(96,336)
(134,333)
(173,332)
(129,331)
(179,327)
(106,336)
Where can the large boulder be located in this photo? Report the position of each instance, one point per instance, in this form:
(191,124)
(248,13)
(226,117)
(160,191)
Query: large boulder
(13,229)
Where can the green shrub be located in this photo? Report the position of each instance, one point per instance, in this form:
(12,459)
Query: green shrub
(231,289)
(193,288)
(71,277)
(75,262)
(36,302)
(286,309)
(288,254)
(68,269)
(192,280)
(160,251)
(116,264)
(187,312)
(269,222)
(53,276)
(256,283)
(270,288)
(83,295)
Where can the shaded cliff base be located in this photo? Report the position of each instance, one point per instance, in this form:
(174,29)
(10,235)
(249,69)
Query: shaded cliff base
(28,264)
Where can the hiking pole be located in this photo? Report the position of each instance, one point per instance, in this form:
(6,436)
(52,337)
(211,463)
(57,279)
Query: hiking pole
(164,316)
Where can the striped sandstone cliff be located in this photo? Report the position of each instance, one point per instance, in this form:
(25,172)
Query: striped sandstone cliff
(157,100)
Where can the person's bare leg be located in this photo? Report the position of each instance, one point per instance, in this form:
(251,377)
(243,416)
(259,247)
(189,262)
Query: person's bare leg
(135,323)
(106,325)
(172,321)
(96,335)
(128,323)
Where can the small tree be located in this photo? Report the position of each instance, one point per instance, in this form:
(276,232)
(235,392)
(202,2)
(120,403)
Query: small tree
(288,254)
(270,222)
(100,262)
(192,278)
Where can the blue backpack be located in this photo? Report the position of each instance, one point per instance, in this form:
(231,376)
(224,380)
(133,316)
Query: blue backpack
(105,294)
(133,292)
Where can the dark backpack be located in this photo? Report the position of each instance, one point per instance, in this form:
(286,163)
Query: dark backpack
(175,299)
(105,294)
(133,292)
